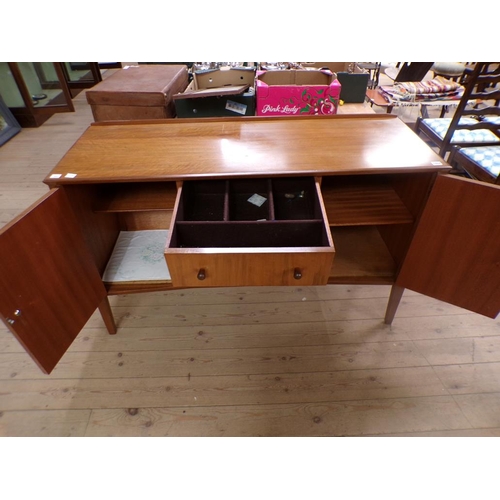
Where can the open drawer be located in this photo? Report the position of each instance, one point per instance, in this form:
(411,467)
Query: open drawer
(249,232)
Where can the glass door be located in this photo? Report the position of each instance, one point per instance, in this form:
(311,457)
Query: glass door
(34,91)
(40,87)
(81,75)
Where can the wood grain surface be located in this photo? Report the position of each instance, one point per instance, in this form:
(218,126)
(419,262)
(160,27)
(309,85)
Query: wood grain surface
(44,250)
(196,148)
(455,255)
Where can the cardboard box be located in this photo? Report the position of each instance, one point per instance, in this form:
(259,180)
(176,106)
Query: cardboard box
(353,79)
(218,92)
(297,92)
(334,67)
(138,93)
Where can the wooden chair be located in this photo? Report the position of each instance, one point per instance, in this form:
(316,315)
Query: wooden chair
(476,120)
(409,72)
(481,163)
(373,69)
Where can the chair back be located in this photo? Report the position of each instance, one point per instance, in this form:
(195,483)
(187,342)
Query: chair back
(480,90)
(413,71)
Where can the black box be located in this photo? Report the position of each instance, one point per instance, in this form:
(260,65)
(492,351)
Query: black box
(218,92)
(354,85)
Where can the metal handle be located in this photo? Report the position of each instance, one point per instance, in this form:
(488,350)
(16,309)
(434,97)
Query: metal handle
(11,321)
(297,273)
(201,274)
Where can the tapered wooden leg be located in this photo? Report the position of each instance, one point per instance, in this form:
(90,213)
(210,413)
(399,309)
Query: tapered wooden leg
(107,316)
(392,305)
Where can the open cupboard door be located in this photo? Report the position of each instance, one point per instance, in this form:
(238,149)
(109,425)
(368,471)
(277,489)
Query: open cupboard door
(49,284)
(455,253)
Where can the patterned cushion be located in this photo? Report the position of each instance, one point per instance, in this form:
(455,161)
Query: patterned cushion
(492,119)
(487,157)
(440,126)
(138,256)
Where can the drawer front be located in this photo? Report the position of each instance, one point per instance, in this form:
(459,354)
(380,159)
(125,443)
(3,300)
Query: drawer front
(249,268)
(219,238)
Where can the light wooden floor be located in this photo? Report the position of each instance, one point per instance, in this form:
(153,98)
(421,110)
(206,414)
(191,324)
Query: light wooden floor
(246,362)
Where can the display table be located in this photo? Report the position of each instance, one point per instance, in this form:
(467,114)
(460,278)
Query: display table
(231,202)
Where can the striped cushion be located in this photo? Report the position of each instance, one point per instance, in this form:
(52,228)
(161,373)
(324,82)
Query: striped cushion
(487,157)
(440,126)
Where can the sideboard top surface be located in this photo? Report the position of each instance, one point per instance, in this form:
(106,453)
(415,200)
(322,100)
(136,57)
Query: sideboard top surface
(190,149)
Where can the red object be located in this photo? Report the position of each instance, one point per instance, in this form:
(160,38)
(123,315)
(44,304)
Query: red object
(297,92)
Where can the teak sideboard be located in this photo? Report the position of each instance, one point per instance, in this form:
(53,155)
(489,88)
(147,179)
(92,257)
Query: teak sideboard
(339,200)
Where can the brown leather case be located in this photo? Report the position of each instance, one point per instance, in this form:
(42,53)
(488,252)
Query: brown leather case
(138,92)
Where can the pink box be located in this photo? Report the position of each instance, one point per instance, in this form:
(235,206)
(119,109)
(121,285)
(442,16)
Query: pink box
(296,92)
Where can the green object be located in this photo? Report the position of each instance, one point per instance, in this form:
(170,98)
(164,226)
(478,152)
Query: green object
(354,86)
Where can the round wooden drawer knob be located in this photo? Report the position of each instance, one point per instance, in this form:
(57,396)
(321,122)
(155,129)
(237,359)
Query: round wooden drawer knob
(201,274)
(297,273)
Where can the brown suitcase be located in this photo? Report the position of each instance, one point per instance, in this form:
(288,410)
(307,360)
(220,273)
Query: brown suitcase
(138,93)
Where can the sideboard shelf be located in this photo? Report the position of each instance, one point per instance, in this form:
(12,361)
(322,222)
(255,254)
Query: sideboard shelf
(361,257)
(136,197)
(363,200)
